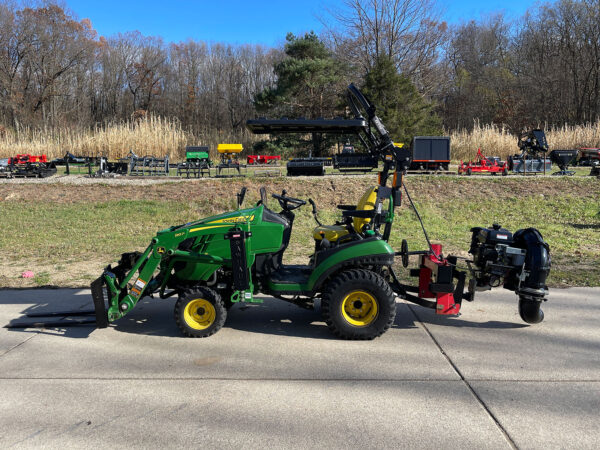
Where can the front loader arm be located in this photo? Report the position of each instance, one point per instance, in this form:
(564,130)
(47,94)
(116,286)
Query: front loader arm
(118,286)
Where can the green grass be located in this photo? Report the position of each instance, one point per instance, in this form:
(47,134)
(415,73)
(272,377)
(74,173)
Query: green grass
(68,243)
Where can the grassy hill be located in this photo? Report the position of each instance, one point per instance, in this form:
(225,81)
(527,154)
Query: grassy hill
(66,232)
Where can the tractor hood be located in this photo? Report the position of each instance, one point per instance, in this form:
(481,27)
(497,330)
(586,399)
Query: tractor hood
(251,215)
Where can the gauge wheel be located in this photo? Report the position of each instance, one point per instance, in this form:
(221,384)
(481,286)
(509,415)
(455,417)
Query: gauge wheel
(200,312)
(358,304)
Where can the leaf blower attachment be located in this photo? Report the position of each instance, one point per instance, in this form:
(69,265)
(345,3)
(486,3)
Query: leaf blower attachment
(519,263)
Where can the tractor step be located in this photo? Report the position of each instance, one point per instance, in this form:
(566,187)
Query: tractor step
(292,274)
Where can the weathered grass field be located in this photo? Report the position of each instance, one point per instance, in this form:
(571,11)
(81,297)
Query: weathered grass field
(66,233)
(158,137)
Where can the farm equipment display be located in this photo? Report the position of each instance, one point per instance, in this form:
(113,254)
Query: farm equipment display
(197,162)
(355,162)
(253,160)
(148,165)
(230,164)
(589,157)
(27,166)
(306,167)
(563,158)
(213,263)
(483,164)
(430,153)
(81,164)
(532,159)
(107,169)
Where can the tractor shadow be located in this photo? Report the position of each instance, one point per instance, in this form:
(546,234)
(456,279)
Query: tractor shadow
(272,317)
(45,301)
(154,317)
(275,317)
(429,317)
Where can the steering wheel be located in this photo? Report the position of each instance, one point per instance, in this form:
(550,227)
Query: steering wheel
(288,203)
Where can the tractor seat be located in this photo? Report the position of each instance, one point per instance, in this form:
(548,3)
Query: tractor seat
(334,232)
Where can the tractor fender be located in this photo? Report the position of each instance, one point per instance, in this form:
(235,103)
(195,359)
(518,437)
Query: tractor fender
(352,263)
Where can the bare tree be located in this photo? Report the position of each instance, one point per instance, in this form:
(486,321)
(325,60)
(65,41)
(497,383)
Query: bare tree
(406,31)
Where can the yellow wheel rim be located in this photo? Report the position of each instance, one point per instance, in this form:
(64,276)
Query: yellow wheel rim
(360,308)
(199,314)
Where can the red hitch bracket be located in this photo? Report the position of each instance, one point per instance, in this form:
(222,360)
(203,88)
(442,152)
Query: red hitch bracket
(435,281)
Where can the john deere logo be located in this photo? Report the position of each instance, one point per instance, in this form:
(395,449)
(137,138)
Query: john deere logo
(235,219)
(160,250)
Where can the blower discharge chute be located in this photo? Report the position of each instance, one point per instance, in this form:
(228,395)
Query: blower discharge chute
(213,263)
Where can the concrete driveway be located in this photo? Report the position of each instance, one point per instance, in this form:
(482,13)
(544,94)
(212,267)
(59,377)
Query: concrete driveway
(275,377)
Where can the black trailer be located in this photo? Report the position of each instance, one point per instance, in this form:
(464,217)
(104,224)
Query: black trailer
(430,153)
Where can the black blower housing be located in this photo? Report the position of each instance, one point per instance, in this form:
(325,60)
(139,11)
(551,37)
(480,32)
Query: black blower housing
(519,262)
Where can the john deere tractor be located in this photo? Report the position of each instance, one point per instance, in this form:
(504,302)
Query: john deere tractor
(213,263)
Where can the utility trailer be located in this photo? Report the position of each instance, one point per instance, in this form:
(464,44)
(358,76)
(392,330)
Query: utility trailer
(430,154)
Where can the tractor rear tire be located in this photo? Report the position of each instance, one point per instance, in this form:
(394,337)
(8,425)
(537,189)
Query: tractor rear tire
(358,305)
(200,312)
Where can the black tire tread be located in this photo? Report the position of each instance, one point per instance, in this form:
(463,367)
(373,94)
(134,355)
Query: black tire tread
(207,294)
(337,283)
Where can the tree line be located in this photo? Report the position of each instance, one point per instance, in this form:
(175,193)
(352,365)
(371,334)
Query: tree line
(541,68)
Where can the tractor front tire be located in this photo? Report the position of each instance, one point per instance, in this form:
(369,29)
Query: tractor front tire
(358,304)
(200,312)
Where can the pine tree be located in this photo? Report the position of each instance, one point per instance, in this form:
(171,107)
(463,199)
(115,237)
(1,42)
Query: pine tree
(402,109)
(309,83)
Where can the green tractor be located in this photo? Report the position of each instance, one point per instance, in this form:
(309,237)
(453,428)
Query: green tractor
(213,263)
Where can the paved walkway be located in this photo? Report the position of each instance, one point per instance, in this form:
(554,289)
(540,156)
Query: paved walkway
(274,377)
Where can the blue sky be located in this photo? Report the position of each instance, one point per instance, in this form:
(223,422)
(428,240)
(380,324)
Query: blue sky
(235,21)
